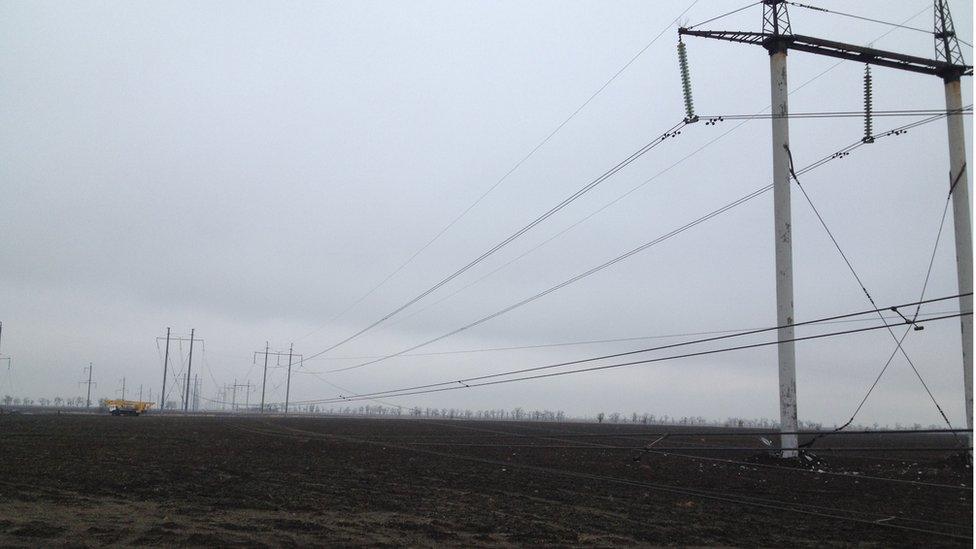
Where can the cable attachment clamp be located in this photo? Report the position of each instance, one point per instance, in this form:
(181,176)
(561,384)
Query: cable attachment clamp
(915,326)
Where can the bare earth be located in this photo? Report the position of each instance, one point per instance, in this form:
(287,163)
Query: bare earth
(91,480)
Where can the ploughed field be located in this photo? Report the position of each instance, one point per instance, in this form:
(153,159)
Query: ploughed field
(91,480)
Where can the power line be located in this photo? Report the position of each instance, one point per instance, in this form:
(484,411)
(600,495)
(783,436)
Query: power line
(563,436)
(856,477)
(466,382)
(209,368)
(463,384)
(686,157)
(901,130)
(721,432)
(598,210)
(333,385)
(938,236)
(744,119)
(909,329)
(662,172)
(592,341)
(801,508)
(862,18)
(864,289)
(515,167)
(712,118)
(673,131)
(559,286)
(665,449)
(852,16)
(725,14)
(619,258)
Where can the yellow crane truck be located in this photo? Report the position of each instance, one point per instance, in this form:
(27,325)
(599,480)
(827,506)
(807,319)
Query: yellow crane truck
(119,407)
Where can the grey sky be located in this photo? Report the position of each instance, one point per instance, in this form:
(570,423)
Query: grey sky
(249,169)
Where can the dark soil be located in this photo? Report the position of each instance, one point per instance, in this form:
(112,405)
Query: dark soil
(214,481)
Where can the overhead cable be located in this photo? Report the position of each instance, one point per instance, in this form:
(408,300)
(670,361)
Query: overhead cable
(587,342)
(744,119)
(725,15)
(619,258)
(850,267)
(852,16)
(910,328)
(511,170)
(673,131)
(711,119)
(796,507)
(469,382)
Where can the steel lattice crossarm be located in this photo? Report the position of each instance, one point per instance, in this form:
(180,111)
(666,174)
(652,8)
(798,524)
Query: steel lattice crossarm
(840,50)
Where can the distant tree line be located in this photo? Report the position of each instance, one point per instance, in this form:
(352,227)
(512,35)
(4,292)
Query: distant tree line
(59,402)
(522,414)
(498,414)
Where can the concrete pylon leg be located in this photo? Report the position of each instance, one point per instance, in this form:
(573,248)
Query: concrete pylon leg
(784,253)
(962,220)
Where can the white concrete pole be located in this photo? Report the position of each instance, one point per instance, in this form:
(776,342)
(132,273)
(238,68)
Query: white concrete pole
(784,251)
(291,348)
(964,232)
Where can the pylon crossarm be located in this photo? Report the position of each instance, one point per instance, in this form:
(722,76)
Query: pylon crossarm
(732,36)
(876,57)
(839,50)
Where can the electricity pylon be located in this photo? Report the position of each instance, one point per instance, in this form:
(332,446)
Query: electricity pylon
(777,38)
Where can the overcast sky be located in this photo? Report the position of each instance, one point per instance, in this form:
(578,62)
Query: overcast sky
(252,169)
